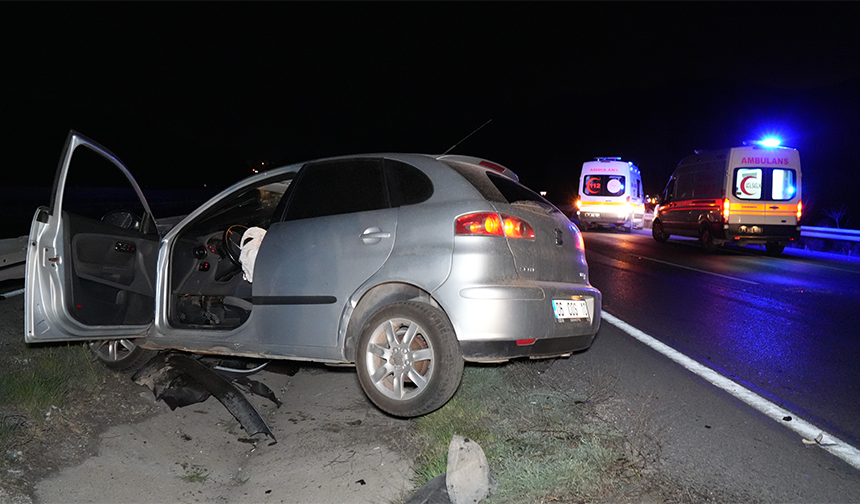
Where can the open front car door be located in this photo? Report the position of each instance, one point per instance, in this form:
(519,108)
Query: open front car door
(92,253)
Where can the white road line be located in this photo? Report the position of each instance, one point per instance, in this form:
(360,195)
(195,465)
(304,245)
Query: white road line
(694,269)
(12,293)
(830,443)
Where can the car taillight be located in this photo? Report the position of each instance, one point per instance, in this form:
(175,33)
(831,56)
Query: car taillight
(727,205)
(491,224)
(479,224)
(799,210)
(517,228)
(580,241)
(492,166)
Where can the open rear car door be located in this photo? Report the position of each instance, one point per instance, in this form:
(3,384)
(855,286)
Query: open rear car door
(92,253)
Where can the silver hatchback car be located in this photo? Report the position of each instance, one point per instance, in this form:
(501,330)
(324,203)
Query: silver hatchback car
(405,265)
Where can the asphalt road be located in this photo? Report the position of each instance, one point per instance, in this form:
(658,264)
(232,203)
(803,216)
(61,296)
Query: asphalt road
(783,327)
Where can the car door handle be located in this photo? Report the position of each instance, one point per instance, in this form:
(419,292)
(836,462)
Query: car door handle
(374,235)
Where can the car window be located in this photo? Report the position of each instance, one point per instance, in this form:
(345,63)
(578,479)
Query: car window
(669,192)
(514,192)
(249,206)
(407,185)
(497,188)
(95,187)
(338,187)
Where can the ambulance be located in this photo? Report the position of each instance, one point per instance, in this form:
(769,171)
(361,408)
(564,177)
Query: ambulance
(747,195)
(610,195)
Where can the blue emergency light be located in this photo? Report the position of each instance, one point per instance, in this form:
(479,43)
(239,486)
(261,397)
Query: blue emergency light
(769,142)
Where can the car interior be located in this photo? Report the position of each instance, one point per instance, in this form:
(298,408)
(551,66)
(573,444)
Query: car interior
(207,284)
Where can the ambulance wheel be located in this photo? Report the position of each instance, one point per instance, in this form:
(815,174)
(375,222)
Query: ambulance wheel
(774,248)
(706,238)
(658,233)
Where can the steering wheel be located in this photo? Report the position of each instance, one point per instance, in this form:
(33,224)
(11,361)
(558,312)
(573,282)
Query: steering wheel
(233,242)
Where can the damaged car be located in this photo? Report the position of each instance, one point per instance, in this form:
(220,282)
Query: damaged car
(403,265)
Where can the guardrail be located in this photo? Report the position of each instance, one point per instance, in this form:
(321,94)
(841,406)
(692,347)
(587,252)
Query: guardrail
(13,255)
(852,235)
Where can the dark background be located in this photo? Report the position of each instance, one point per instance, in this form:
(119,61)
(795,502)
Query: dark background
(197,94)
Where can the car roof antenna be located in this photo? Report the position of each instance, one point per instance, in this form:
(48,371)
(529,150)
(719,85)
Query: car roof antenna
(467,136)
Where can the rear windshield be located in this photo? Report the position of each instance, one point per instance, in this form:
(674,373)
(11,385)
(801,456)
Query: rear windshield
(497,188)
(768,184)
(603,185)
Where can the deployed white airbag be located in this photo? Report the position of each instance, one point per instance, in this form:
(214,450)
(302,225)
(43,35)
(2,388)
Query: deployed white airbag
(251,241)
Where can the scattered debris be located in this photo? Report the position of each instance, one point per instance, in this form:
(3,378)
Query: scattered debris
(468,474)
(180,380)
(787,418)
(817,440)
(467,479)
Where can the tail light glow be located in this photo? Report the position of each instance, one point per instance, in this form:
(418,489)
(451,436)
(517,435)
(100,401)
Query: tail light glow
(517,228)
(799,210)
(479,224)
(492,224)
(580,241)
(493,166)
(727,205)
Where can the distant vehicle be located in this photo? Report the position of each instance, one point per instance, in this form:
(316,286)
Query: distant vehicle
(402,264)
(610,195)
(744,195)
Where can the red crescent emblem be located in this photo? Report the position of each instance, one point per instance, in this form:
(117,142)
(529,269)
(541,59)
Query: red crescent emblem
(744,184)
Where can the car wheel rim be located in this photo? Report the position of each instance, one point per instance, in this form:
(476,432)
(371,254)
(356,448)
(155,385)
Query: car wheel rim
(113,350)
(399,359)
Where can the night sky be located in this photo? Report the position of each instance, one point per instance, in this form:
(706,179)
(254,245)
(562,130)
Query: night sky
(198,93)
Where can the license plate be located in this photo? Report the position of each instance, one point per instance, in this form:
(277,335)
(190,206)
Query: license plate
(569,309)
(592,215)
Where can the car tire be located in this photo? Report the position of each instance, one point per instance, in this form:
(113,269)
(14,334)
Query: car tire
(706,238)
(658,233)
(121,354)
(774,248)
(415,377)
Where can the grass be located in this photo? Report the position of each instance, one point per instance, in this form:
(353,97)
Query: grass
(37,379)
(541,444)
(195,474)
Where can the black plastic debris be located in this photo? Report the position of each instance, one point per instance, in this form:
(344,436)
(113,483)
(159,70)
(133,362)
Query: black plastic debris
(180,380)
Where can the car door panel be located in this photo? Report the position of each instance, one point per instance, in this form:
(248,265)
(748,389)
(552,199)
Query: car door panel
(88,279)
(312,267)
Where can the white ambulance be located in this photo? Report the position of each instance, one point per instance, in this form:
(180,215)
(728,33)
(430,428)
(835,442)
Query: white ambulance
(744,195)
(610,195)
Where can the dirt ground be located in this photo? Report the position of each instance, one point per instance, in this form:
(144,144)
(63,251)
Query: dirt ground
(117,444)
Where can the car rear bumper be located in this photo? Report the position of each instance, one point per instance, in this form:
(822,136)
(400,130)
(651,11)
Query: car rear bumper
(759,234)
(603,218)
(495,323)
(495,351)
